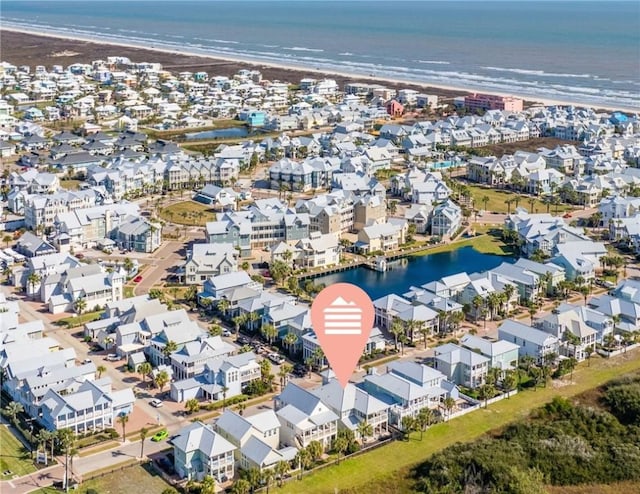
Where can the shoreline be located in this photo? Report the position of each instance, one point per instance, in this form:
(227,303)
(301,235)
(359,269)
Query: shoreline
(443,91)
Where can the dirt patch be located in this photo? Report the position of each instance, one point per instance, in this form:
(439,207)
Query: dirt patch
(65,53)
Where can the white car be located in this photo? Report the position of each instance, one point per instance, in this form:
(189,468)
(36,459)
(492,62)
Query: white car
(156,403)
(113,357)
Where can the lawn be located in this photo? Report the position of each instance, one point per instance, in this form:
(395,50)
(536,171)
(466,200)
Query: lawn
(485,244)
(370,471)
(13,455)
(70,184)
(497,198)
(188,213)
(138,478)
(75,321)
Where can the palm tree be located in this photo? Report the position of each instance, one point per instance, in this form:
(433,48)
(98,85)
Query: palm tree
(424,419)
(144,432)
(80,305)
(192,405)
(100,370)
(13,409)
(485,392)
(315,450)
(397,329)
(128,266)
(33,279)
(7,240)
(223,306)
(270,332)
(168,349)
(239,321)
(66,438)
(161,379)
(448,404)
(252,317)
(424,331)
(365,429)
(289,341)
(241,486)
(588,351)
(144,369)
(508,291)
(122,419)
(282,468)
(283,374)
(225,389)
(477,302)
(485,201)
(267,477)
(509,381)
(318,357)
(340,445)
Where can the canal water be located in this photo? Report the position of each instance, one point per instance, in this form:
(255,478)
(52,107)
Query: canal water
(218,133)
(415,271)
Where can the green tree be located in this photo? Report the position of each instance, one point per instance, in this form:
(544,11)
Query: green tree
(241,486)
(161,379)
(144,432)
(100,370)
(290,341)
(282,469)
(365,429)
(424,419)
(13,409)
(449,403)
(315,450)
(509,381)
(144,369)
(269,332)
(170,347)
(128,266)
(66,439)
(192,405)
(340,445)
(33,279)
(408,426)
(208,485)
(122,419)
(80,305)
(397,329)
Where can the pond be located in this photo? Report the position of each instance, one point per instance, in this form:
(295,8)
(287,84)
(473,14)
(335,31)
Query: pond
(415,271)
(218,133)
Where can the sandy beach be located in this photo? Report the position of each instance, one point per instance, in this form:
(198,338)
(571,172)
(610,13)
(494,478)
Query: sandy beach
(22,47)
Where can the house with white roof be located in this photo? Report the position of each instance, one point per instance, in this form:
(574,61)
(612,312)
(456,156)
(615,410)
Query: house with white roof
(190,360)
(461,365)
(353,405)
(502,354)
(568,325)
(256,437)
(626,312)
(304,417)
(92,407)
(205,261)
(532,342)
(199,452)
(580,258)
(408,387)
(233,373)
(446,219)
(383,237)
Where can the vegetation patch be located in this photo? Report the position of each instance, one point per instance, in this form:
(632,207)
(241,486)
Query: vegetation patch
(188,213)
(75,321)
(562,443)
(14,457)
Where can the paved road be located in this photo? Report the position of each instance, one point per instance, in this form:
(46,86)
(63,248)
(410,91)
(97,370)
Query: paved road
(170,255)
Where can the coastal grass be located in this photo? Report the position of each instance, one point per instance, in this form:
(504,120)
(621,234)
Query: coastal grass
(226,123)
(615,488)
(14,457)
(390,465)
(497,201)
(75,321)
(135,478)
(189,213)
(485,244)
(70,184)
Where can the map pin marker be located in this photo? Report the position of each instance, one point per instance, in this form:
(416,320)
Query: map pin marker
(342,316)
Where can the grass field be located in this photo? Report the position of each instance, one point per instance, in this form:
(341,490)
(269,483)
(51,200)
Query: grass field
(387,469)
(188,213)
(497,200)
(13,455)
(140,479)
(70,184)
(485,243)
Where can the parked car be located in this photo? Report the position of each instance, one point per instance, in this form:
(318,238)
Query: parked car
(137,279)
(160,435)
(566,215)
(112,357)
(226,332)
(156,403)
(276,358)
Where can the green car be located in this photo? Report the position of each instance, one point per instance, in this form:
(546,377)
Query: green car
(160,435)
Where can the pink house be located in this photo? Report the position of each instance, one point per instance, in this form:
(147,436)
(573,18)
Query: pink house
(394,108)
(492,102)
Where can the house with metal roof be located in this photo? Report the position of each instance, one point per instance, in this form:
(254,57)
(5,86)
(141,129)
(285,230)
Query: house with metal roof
(532,342)
(199,451)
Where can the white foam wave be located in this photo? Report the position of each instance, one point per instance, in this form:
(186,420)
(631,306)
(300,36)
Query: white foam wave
(537,72)
(302,48)
(433,62)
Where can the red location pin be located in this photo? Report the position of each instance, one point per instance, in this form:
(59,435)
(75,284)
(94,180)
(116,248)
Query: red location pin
(342,316)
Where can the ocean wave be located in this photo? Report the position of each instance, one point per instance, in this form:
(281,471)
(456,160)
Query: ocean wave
(302,48)
(537,72)
(222,41)
(433,62)
(588,89)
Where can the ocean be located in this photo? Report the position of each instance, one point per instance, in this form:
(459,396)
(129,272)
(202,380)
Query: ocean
(585,52)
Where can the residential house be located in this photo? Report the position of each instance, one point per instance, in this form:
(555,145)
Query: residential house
(532,342)
(461,365)
(199,452)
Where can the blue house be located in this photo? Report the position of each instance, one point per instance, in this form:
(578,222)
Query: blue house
(256,118)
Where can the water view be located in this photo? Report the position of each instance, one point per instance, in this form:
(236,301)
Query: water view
(219,133)
(415,271)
